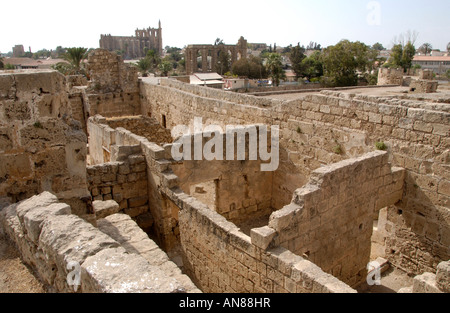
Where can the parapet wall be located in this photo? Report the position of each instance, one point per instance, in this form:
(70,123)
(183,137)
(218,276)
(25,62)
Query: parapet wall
(330,126)
(68,252)
(216,254)
(125,182)
(330,220)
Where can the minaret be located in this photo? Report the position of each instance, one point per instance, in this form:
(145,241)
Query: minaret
(160,43)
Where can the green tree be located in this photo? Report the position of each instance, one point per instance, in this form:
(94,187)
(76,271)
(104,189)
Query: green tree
(448,47)
(314,46)
(396,56)
(312,66)
(342,61)
(275,68)
(165,67)
(251,67)
(41,54)
(409,51)
(297,56)
(154,58)
(59,51)
(378,46)
(426,48)
(75,56)
(218,42)
(223,62)
(144,65)
(2,64)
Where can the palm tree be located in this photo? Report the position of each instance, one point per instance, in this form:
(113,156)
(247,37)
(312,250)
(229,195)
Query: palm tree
(426,48)
(448,47)
(144,65)
(2,65)
(275,68)
(75,56)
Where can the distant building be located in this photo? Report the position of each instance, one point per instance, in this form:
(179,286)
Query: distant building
(135,47)
(205,58)
(18,51)
(212,80)
(28,63)
(236,83)
(438,64)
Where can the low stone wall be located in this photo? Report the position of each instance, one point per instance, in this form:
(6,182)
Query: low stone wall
(390,76)
(330,220)
(217,94)
(126,183)
(423,86)
(68,252)
(142,126)
(220,258)
(216,254)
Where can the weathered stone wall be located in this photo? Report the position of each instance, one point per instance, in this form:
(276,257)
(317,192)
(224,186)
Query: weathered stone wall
(126,183)
(216,254)
(42,148)
(423,86)
(113,103)
(142,126)
(390,76)
(331,218)
(113,88)
(105,133)
(108,73)
(331,126)
(237,189)
(220,258)
(60,247)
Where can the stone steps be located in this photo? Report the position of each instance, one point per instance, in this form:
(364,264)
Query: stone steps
(124,230)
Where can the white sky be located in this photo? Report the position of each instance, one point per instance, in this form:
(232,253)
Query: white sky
(47,24)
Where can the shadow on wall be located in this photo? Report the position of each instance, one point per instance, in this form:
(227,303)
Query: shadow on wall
(418,232)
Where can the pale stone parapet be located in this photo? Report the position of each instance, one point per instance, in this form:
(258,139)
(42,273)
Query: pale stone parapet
(60,247)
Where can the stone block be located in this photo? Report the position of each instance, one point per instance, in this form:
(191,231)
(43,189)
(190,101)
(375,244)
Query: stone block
(443,276)
(103,209)
(425,283)
(34,218)
(115,271)
(137,201)
(44,199)
(262,237)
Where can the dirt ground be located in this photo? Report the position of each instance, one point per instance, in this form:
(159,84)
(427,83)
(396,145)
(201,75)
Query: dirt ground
(15,277)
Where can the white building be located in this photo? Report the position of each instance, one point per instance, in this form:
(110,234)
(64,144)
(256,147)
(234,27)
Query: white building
(438,64)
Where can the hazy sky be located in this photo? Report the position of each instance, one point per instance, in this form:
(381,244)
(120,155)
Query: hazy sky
(47,24)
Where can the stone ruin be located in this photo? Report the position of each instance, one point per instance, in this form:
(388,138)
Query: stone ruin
(89,164)
(424,83)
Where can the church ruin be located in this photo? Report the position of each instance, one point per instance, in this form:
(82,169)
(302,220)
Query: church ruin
(90,165)
(137,46)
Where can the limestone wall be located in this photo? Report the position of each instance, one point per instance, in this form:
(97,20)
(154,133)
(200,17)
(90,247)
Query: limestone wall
(331,126)
(222,259)
(390,76)
(331,218)
(42,148)
(64,250)
(124,182)
(142,126)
